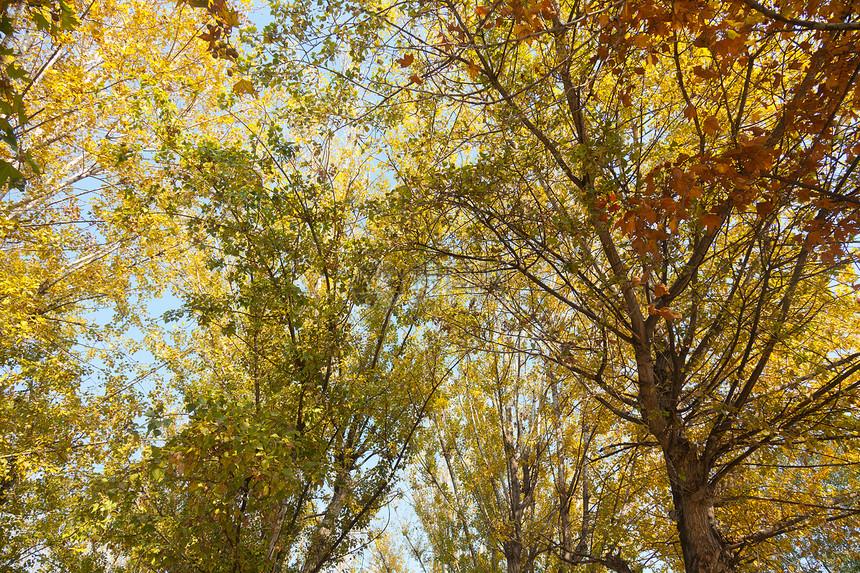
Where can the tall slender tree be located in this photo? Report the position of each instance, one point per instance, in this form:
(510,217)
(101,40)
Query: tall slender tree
(305,383)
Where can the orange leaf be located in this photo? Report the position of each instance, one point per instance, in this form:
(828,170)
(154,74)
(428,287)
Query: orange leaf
(625,99)
(482,11)
(690,112)
(705,73)
(647,213)
(710,221)
(763,208)
(668,313)
(660,290)
(522,31)
(673,225)
(416,79)
(668,204)
(711,125)
(474,70)
(406,60)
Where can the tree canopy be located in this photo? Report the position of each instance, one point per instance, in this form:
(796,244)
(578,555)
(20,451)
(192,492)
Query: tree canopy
(436,285)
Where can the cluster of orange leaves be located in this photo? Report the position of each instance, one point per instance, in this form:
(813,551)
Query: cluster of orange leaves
(675,192)
(217,34)
(735,175)
(526,17)
(648,29)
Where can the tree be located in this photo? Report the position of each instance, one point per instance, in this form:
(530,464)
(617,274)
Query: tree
(681,177)
(663,227)
(523,472)
(305,383)
(90,91)
(636,219)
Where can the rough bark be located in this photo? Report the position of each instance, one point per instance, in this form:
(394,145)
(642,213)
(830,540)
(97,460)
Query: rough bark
(702,545)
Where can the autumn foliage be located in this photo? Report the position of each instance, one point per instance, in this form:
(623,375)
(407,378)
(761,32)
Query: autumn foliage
(559,285)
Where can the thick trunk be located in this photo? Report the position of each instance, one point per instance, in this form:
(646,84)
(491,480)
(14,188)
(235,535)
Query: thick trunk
(702,544)
(514,555)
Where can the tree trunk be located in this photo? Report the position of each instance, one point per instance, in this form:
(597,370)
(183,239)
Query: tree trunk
(514,555)
(563,490)
(702,544)
(518,494)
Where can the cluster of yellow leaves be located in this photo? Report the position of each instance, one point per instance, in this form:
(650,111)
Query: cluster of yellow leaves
(81,236)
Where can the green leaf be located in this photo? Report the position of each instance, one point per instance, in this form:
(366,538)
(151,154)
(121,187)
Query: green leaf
(42,23)
(9,174)
(7,134)
(15,72)
(244,87)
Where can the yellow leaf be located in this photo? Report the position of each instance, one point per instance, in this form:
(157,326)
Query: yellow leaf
(521,31)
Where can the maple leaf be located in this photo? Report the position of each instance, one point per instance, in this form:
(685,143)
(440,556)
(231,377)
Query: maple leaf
(764,208)
(705,73)
(522,31)
(665,312)
(212,34)
(244,87)
(711,125)
(710,221)
(416,79)
(660,290)
(474,70)
(548,13)
(231,18)
(406,60)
